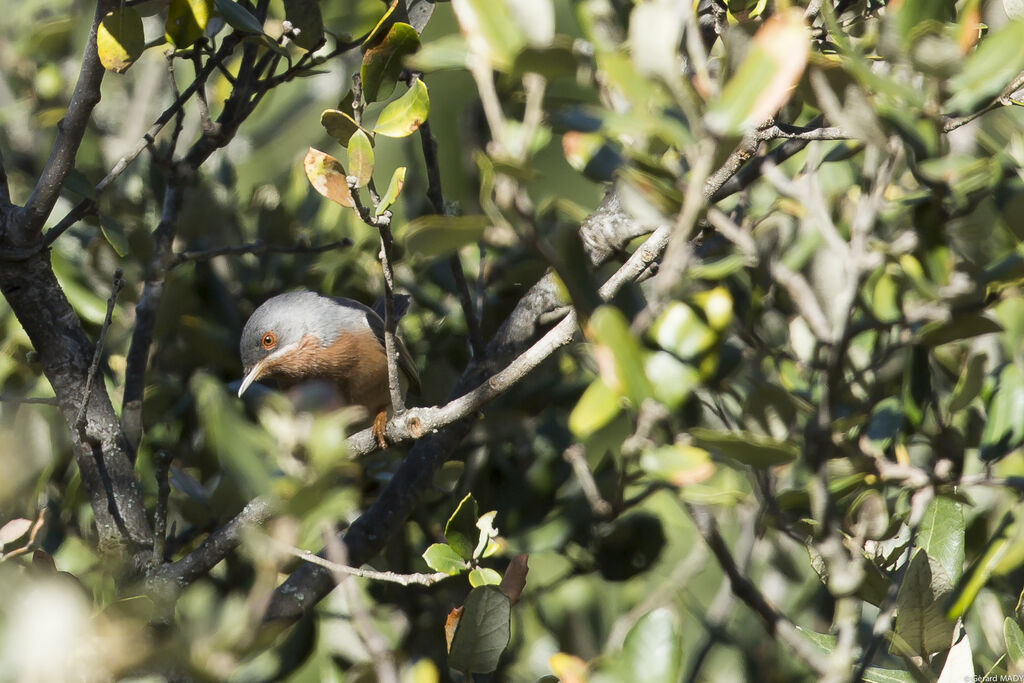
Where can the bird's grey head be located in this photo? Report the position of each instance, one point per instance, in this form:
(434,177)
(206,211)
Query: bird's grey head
(282,322)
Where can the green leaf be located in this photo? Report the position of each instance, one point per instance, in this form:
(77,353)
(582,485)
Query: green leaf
(1014,638)
(920,619)
(960,327)
(614,342)
(941,534)
(403,116)
(186,21)
(360,158)
(981,570)
(969,384)
(442,558)
(113,232)
(998,59)
(672,379)
(244,449)
(461,531)
(678,464)
(483,631)
(394,188)
(596,408)
(382,63)
(748,448)
(305,16)
(338,125)
(490,30)
(238,17)
(120,39)
(434,235)
(653,648)
(1004,430)
(482,576)
(681,331)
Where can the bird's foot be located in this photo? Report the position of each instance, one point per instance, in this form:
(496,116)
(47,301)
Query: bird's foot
(379,424)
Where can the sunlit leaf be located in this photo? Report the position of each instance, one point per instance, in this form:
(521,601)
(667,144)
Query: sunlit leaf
(186,21)
(442,558)
(114,233)
(484,576)
(490,30)
(360,158)
(653,648)
(327,177)
(403,116)
(617,353)
(394,189)
(120,39)
(596,408)
(678,464)
(941,534)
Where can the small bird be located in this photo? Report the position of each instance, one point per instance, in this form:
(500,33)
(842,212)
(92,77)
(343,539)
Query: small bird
(302,335)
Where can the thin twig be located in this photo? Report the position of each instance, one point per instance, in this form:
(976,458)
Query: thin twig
(575,457)
(340,568)
(258,248)
(118,283)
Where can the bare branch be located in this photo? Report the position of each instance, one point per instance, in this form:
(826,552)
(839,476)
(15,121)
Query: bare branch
(214,548)
(390,577)
(574,456)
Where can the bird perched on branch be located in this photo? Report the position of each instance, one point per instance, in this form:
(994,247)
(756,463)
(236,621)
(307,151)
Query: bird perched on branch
(302,335)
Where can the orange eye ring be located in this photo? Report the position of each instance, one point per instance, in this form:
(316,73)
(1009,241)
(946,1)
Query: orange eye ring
(269,341)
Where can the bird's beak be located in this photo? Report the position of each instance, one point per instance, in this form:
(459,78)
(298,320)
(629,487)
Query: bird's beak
(254,374)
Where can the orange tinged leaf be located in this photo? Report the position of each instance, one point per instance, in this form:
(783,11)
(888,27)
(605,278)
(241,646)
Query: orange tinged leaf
(450,624)
(327,176)
(514,580)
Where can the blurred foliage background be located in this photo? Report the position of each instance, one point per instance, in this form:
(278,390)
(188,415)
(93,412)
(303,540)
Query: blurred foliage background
(793,451)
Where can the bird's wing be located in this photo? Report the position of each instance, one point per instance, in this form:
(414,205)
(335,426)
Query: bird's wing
(405,360)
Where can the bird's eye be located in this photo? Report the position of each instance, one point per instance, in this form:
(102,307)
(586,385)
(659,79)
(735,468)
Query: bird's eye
(269,341)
